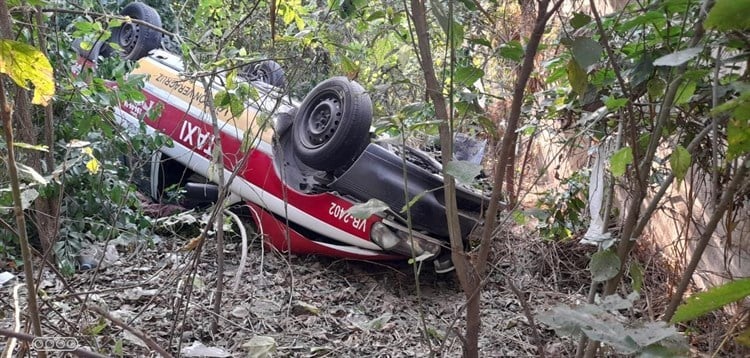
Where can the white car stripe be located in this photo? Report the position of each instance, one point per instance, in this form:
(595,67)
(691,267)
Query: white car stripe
(253,193)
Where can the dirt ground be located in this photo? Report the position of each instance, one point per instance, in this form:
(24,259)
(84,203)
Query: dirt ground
(298,306)
(316,306)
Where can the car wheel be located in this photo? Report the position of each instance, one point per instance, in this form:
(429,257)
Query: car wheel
(137,40)
(332,126)
(166,172)
(267,72)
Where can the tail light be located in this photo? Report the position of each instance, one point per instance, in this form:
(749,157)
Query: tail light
(400,242)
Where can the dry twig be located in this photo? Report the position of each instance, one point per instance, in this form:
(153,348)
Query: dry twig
(142,336)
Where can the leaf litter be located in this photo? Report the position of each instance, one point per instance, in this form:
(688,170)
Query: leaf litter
(288,306)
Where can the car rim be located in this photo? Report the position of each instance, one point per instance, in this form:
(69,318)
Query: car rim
(324,120)
(261,75)
(128,36)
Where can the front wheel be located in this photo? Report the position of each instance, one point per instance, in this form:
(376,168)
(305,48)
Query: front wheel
(332,126)
(267,72)
(137,40)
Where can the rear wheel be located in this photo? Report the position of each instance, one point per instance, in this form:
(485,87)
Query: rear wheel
(166,174)
(332,126)
(136,40)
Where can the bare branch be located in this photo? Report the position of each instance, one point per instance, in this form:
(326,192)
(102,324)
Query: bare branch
(136,332)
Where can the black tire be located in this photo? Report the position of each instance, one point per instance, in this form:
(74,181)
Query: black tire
(136,40)
(332,126)
(267,72)
(169,173)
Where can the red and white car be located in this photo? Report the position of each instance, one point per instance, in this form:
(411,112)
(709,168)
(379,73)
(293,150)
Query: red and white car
(299,165)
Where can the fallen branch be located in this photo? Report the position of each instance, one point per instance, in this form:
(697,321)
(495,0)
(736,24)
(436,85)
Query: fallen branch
(143,337)
(8,353)
(529,317)
(243,257)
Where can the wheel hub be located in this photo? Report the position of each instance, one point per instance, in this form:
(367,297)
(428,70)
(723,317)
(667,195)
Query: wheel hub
(128,36)
(324,121)
(261,75)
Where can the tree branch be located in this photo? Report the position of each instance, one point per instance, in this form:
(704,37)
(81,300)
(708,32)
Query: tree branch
(6,117)
(511,130)
(142,336)
(739,184)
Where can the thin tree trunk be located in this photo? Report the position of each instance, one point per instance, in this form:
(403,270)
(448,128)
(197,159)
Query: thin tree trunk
(509,138)
(48,208)
(643,168)
(466,276)
(6,116)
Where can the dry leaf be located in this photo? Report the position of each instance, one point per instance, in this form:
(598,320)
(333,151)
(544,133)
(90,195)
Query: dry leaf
(193,244)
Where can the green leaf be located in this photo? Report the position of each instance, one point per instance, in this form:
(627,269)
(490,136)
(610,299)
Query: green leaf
(380,14)
(221,99)
(231,80)
(656,87)
(97,328)
(451,28)
(481,41)
(457,33)
(680,162)
(599,324)
(636,275)
(85,27)
(651,17)
(236,106)
(614,104)
(244,90)
(470,5)
(743,338)
(712,299)
(118,348)
(413,110)
(366,209)
(586,51)
(643,70)
(488,125)
(676,6)
(348,8)
(466,76)
(738,137)
(114,23)
(685,92)
(512,50)
(579,20)
(729,15)
(464,171)
(24,64)
(620,160)
(679,57)
(519,217)
(577,77)
(557,73)
(41,148)
(15,3)
(604,265)
(350,67)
